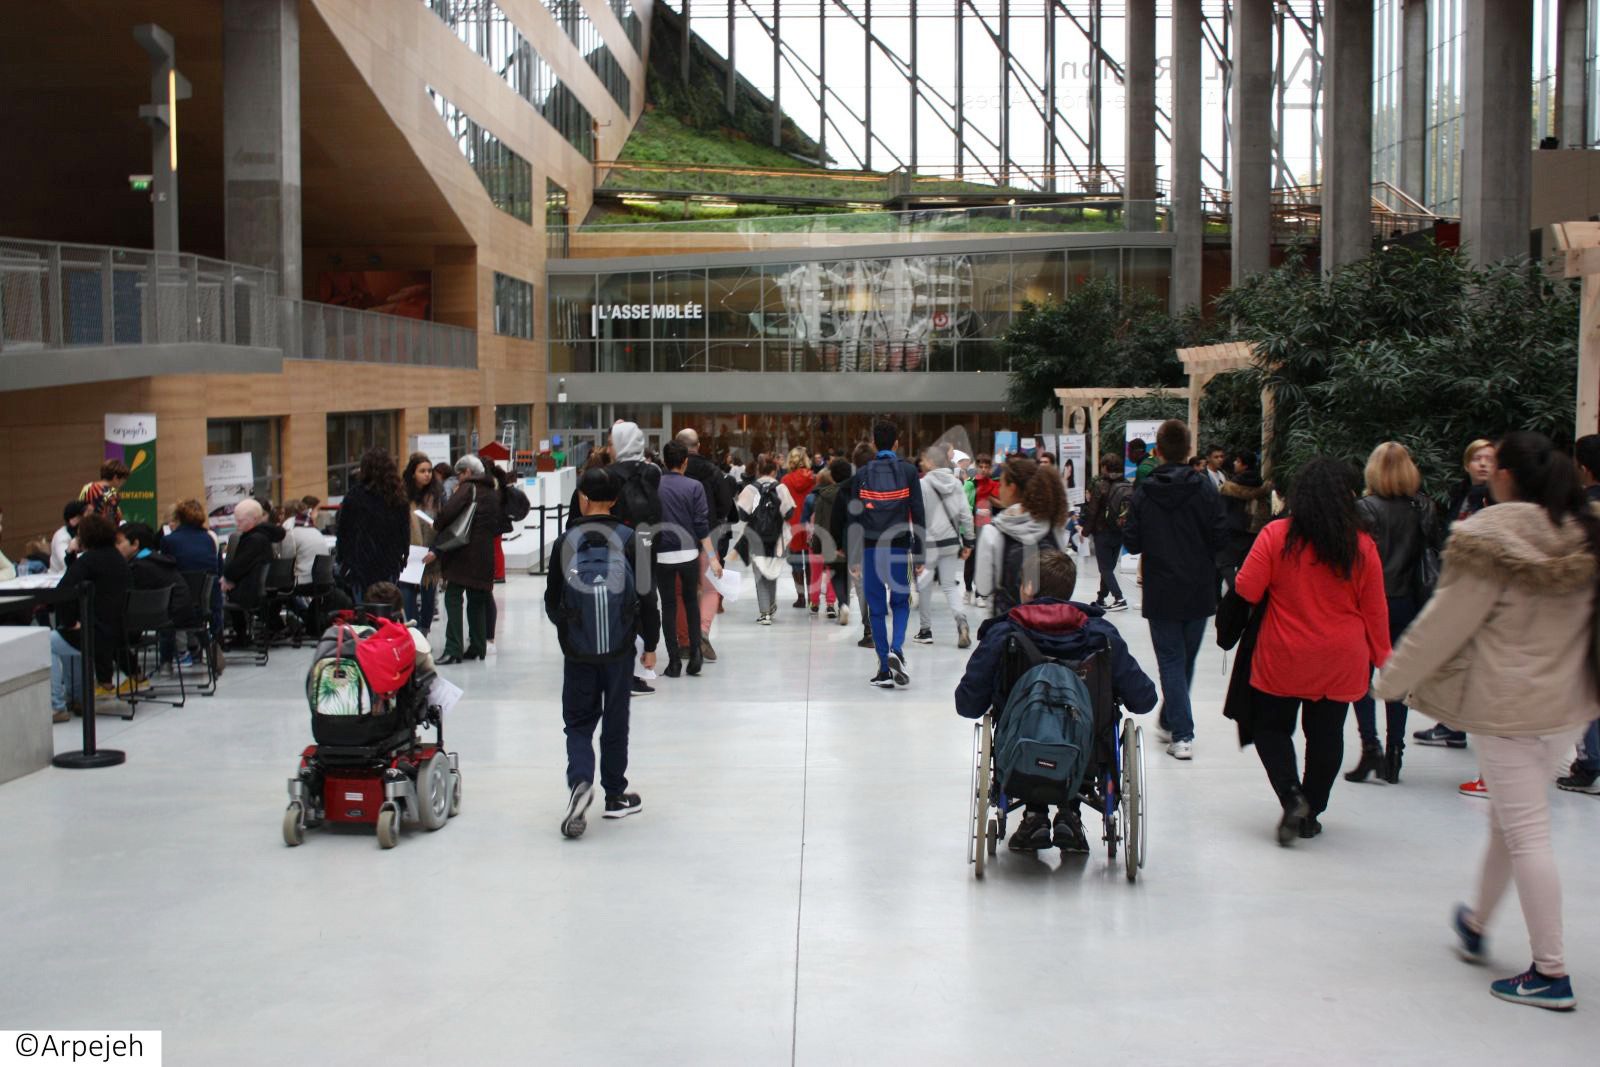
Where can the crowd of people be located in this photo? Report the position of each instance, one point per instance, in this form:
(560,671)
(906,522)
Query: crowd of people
(1341,589)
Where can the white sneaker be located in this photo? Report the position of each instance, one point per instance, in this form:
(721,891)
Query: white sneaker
(1181,750)
(844,614)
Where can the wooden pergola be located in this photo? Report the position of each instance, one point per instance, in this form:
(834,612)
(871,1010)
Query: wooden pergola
(1202,364)
(1580,242)
(1099,402)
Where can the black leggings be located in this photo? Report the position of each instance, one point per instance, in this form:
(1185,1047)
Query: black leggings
(670,578)
(1322,722)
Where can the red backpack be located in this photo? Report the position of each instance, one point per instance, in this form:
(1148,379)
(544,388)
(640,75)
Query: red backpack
(387,655)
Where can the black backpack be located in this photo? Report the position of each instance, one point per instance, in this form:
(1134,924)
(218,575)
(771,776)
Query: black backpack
(599,600)
(885,497)
(766,521)
(1114,508)
(822,514)
(1008,592)
(639,500)
(514,504)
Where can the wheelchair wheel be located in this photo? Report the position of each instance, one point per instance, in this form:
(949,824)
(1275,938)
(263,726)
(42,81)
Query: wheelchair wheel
(434,790)
(294,827)
(1131,801)
(455,797)
(388,825)
(978,846)
(994,836)
(1144,791)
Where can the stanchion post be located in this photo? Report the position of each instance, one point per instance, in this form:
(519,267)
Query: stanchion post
(91,755)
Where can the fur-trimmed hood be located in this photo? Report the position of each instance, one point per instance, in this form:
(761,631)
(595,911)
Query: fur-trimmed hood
(1517,541)
(1236,489)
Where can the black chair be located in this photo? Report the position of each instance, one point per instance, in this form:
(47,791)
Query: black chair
(202,588)
(322,584)
(279,619)
(146,616)
(243,616)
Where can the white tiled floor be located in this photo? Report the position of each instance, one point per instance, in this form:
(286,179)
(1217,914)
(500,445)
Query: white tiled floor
(796,890)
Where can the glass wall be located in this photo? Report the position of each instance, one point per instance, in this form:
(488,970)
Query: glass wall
(506,176)
(350,434)
(1388,59)
(753,433)
(629,18)
(521,418)
(513,306)
(260,438)
(557,221)
(901,314)
(458,423)
(586,35)
(483,26)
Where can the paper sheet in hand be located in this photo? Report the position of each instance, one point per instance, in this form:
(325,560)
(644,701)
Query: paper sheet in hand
(640,671)
(443,695)
(728,585)
(425,517)
(412,575)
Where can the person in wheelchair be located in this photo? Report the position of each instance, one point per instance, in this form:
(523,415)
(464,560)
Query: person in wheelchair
(1061,629)
(387,595)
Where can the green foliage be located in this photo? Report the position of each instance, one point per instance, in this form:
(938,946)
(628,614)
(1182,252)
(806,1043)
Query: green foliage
(662,137)
(1412,345)
(1099,335)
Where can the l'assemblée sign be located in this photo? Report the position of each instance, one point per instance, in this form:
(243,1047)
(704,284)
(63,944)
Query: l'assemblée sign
(604,312)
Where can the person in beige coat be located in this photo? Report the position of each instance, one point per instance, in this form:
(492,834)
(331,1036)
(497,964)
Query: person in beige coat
(1503,651)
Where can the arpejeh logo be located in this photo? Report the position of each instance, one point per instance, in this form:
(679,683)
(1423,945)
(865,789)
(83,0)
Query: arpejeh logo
(137,431)
(642,311)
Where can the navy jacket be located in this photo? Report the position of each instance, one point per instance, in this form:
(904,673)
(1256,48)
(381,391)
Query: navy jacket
(1177,523)
(684,509)
(647,618)
(909,538)
(1059,628)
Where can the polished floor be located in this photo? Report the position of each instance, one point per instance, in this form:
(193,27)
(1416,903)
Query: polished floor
(795,891)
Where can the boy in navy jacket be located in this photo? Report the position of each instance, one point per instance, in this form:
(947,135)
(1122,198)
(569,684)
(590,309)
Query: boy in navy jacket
(1060,629)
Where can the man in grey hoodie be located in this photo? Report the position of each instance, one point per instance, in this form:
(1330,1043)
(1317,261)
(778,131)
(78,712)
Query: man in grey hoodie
(946,546)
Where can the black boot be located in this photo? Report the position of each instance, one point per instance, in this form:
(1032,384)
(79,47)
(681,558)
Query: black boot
(695,661)
(1296,810)
(674,667)
(1372,762)
(1391,762)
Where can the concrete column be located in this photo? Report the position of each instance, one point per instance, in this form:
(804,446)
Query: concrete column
(1414,99)
(1139,85)
(261,136)
(1347,151)
(1252,137)
(1572,74)
(1497,130)
(1188,220)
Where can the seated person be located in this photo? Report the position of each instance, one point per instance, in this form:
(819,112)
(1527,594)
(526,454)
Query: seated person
(101,564)
(194,548)
(251,550)
(389,596)
(1060,629)
(152,569)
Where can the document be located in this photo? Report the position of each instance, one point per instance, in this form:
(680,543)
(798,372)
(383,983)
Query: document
(443,695)
(640,671)
(412,575)
(728,585)
(424,516)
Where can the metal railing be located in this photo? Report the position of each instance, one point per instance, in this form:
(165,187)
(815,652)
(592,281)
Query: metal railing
(325,331)
(63,295)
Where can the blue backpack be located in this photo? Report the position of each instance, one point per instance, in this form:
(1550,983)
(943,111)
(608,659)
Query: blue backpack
(885,496)
(600,598)
(1045,739)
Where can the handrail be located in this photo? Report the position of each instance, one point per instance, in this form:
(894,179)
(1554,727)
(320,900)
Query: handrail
(328,332)
(61,295)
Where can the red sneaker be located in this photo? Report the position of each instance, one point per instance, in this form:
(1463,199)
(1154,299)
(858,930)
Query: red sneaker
(1475,789)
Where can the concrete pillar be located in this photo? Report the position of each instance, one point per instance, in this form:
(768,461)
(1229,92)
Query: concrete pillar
(1139,85)
(1347,151)
(1497,130)
(1572,73)
(1414,99)
(261,136)
(1252,138)
(1188,220)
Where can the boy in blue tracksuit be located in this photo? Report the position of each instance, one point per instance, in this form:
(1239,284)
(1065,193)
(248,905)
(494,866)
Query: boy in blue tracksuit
(1060,629)
(883,503)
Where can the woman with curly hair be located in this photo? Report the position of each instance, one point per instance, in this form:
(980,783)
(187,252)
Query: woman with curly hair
(374,525)
(1033,517)
(1326,625)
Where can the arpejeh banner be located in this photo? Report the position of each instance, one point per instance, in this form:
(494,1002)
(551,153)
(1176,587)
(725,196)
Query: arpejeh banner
(132,439)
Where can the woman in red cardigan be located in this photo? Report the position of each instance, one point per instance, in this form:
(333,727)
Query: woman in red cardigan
(1326,624)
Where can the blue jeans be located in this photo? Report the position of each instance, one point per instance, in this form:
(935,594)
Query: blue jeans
(66,673)
(886,586)
(1176,645)
(597,694)
(420,604)
(1590,759)
(1402,610)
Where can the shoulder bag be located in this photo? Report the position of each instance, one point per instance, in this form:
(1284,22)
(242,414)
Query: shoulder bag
(459,531)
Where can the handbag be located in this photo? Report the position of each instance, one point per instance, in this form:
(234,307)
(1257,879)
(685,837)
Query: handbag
(459,531)
(1426,574)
